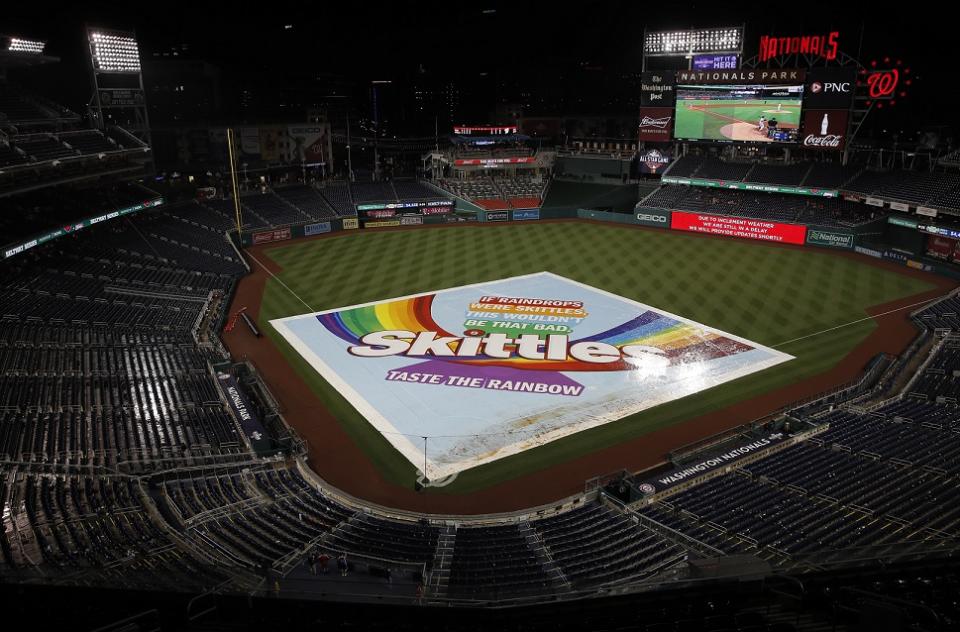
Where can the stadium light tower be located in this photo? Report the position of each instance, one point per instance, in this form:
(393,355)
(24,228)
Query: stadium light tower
(23,45)
(118,94)
(18,52)
(690,42)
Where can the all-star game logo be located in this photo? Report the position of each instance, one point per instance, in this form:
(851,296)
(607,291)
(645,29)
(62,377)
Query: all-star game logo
(654,160)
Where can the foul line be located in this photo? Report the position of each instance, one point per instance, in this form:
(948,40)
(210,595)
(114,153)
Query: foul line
(853,322)
(287,287)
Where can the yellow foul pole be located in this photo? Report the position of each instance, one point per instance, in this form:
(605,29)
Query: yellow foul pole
(236,190)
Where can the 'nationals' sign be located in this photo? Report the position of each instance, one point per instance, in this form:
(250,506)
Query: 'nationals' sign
(739,227)
(826,46)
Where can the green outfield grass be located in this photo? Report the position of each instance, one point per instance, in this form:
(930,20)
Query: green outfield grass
(692,123)
(764,293)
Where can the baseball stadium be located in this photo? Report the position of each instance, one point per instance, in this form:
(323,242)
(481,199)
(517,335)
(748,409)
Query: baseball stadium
(662,342)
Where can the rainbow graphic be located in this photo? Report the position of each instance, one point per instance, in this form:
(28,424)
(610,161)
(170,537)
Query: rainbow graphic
(679,341)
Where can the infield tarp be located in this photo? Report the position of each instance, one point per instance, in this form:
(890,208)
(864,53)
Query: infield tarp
(482,405)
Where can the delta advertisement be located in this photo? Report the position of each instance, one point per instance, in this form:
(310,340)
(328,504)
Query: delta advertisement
(739,227)
(656,124)
(825,129)
(493,369)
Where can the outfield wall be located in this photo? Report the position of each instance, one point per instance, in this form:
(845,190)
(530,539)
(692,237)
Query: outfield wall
(892,240)
(729,226)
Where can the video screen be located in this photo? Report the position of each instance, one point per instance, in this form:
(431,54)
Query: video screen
(756,113)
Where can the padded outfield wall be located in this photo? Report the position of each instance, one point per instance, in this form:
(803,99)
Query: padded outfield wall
(894,239)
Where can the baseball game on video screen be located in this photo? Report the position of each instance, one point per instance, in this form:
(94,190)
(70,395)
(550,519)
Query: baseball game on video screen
(747,113)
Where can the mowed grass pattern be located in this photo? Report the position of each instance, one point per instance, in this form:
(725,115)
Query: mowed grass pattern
(764,293)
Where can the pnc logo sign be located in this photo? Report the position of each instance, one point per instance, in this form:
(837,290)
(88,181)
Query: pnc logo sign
(820,87)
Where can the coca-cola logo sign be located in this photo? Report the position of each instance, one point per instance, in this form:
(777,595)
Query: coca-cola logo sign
(825,129)
(830,140)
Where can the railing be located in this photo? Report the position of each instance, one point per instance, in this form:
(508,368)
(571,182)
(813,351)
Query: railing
(146,621)
(223,511)
(923,367)
(872,374)
(124,134)
(286,564)
(678,537)
(692,449)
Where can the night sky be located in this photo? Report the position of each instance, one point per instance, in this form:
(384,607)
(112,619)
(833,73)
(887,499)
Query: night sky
(343,43)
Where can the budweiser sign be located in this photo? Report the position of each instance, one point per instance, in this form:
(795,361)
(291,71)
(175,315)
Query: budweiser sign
(830,140)
(655,124)
(659,123)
